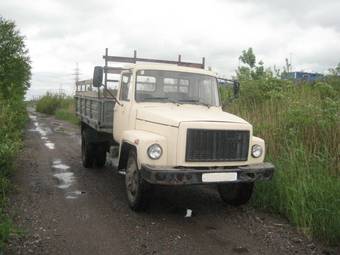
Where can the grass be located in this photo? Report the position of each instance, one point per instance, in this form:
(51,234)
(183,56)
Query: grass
(12,118)
(301,126)
(60,106)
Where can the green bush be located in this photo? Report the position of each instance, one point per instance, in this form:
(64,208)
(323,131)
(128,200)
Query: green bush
(301,126)
(60,106)
(49,103)
(15,72)
(68,115)
(6,228)
(326,90)
(12,118)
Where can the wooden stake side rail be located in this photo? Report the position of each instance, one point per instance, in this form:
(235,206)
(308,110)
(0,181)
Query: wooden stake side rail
(84,85)
(96,112)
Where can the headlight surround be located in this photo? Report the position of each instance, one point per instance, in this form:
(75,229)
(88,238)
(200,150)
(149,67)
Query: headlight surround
(256,151)
(155,151)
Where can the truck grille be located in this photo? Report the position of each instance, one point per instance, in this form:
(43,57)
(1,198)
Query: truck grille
(216,145)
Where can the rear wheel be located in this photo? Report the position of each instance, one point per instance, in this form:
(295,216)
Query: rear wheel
(86,151)
(135,185)
(235,194)
(100,152)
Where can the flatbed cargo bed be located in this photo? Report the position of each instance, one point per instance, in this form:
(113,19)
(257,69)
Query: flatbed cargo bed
(93,109)
(96,112)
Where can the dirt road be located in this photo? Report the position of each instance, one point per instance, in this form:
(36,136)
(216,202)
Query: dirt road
(67,209)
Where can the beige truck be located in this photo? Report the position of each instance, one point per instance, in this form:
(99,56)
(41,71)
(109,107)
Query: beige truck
(161,122)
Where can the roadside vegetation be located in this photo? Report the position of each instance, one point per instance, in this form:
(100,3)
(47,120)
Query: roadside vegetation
(300,122)
(59,105)
(14,81)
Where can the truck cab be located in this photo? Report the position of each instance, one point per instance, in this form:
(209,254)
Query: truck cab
(169,128)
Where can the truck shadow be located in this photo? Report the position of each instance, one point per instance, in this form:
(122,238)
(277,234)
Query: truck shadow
(200,199)
(170,200)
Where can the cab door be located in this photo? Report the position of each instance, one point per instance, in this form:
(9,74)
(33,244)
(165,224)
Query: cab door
(122,109)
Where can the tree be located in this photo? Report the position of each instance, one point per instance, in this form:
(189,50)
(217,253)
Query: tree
(250,70)
(335,71)
(248,57)
(15,68)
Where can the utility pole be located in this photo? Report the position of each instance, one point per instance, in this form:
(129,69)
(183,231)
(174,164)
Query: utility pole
(76,73)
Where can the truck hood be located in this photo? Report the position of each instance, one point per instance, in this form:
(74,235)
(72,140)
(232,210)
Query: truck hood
(174,115)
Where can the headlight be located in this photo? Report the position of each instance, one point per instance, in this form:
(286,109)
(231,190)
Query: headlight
(256,151)
(155,151)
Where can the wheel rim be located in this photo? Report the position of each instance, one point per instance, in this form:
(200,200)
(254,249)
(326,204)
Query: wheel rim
(132,181)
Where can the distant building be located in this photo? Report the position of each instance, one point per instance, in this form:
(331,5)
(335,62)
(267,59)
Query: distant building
(302,76)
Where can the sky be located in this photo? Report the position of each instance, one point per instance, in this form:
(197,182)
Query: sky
(61,33)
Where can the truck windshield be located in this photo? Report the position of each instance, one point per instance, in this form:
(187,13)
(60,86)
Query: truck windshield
(176,87)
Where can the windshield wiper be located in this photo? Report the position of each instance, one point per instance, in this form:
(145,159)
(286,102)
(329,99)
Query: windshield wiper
(160,98)
(154,98)
(195,101)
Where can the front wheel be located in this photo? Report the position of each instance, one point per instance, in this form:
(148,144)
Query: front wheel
(136,187)
(235,194)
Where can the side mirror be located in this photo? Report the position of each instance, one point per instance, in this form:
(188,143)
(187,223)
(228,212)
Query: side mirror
(236,89)
(98,76)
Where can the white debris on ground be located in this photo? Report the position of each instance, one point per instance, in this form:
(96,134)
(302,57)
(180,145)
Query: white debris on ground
(189,213)
(122,172)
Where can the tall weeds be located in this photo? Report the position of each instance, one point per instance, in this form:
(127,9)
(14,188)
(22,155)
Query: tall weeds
(301,126)
(12,120)
(59,105)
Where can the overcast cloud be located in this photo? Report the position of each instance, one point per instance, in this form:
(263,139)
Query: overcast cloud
(61,33)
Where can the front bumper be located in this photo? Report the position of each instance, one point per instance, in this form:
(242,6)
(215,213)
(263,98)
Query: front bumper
(190,176)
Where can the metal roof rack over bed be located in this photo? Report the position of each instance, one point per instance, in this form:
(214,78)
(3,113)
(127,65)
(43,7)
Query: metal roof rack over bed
(134,59)
(117,70)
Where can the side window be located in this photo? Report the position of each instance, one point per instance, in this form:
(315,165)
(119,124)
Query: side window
(125,87)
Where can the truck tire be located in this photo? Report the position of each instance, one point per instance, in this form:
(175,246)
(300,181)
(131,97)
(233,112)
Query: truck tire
(235,194)
(86,151)
(100,158)
(136,187)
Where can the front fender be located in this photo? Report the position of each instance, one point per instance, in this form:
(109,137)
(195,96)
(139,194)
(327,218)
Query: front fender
(141,140)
